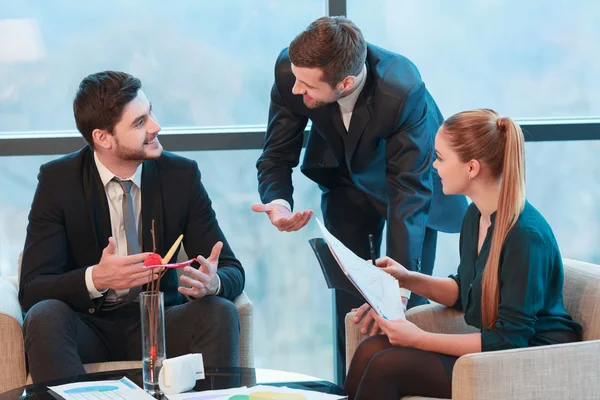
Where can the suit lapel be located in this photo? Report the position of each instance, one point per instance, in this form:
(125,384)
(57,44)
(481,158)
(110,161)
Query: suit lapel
(338,120)
(97,204)
(152,208)
(361,116)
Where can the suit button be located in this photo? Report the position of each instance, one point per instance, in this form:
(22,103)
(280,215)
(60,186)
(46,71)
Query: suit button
(91,311)
(322,163)
(418,265)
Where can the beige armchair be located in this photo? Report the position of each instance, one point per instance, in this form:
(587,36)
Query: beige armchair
(568,371)
(12,354)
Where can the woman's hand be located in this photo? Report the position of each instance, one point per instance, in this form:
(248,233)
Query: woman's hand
(400,332)
(365,318)
(395,269)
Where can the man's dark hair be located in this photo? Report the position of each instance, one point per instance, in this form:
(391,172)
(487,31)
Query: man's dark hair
(100,101)
(333,44)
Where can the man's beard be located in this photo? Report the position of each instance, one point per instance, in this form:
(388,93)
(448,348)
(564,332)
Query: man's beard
(320,103)
(139,155)
(316,104)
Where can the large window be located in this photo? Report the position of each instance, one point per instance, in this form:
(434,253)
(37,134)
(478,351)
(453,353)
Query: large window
(210,63)
(526,59)
(562,182)
(532,60)
(18,180)
(202,63)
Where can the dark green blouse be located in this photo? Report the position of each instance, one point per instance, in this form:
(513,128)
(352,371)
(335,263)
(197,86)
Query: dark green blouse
(531,282)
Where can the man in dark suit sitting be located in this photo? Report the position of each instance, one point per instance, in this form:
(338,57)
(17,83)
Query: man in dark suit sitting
(90,220)
(370,149)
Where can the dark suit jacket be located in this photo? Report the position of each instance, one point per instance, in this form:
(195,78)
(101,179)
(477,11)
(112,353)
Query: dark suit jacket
(69,226)
(389,149)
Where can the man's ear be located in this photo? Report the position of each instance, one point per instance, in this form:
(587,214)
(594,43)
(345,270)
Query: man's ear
(346,83)
(102,139)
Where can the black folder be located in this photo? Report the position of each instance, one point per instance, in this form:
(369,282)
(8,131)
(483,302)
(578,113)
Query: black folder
(334,276)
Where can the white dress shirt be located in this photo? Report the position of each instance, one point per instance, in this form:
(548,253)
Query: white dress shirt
(114,196)
(347,103)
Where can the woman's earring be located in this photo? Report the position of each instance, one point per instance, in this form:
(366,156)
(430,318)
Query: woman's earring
(470,178)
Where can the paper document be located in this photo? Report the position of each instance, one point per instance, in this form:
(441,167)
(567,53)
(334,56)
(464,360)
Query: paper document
(379,288)
(260,392)
(101,390)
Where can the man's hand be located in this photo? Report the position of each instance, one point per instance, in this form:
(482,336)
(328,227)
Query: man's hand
(121,272)
(204,280)
(282,218)
(369,325)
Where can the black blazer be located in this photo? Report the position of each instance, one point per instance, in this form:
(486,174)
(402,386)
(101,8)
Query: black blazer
(389,149)
(69,226)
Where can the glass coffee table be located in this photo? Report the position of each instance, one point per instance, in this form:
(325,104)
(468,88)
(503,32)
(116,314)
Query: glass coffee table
(216,378)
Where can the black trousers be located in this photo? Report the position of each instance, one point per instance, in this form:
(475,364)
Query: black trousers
(351,215)
(58,340)
(381,371)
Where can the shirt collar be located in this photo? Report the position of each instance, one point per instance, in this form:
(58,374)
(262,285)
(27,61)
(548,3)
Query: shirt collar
(106,175)
(492,216)
(347,103)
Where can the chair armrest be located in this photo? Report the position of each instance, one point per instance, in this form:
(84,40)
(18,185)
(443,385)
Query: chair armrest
(12,353)
(436,318)
(246,312)
(9,299)
(353,337)
(564,371)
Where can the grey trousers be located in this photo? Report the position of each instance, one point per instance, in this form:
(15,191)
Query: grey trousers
(58,340)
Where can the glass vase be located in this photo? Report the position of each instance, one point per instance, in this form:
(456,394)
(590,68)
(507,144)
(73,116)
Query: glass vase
(153,339)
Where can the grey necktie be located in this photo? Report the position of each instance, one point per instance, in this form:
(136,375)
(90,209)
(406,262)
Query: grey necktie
(133,244)
(131,233)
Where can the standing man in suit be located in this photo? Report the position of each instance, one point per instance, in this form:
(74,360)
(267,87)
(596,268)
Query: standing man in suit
(90,220)
(370,149)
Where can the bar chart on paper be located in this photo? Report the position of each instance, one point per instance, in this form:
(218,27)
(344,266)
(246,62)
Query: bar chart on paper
(101,390)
